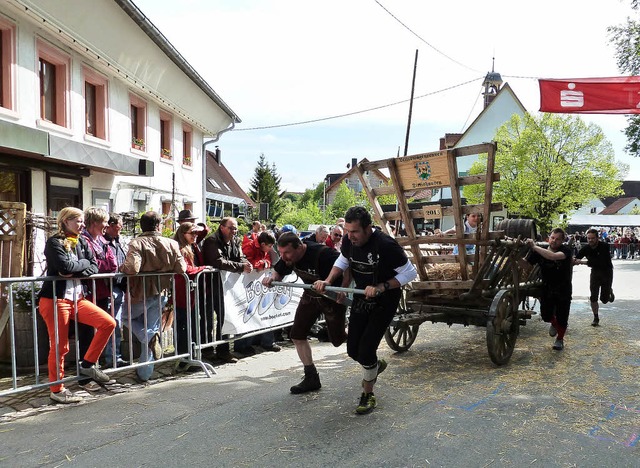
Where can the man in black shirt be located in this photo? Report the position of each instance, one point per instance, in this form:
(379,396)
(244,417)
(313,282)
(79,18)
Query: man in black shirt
(310,261)
(380,267)
(599,259)
(556,268)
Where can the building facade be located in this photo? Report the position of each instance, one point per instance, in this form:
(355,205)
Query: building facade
(98,108)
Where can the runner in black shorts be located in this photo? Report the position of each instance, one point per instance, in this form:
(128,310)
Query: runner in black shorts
(310,261)
(599,259)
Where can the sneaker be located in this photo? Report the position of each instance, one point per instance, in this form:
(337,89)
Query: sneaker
(596,322)
(65,397)
(367,403)
(95,373)
(382,365)
(274,347)
(612,297)
(558,345)
(227,358)
(552,330)
(90,386)
(310,383)
(155,346)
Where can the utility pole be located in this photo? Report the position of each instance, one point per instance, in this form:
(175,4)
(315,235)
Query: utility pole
(413,86)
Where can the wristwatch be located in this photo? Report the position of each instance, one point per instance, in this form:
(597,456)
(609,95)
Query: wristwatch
(386,285)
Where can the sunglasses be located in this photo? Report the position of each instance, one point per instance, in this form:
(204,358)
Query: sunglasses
(336,235)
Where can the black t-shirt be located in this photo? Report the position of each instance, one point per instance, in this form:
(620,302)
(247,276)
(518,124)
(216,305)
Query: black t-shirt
(376,261)
(556,274)
(317,262)
(599,258)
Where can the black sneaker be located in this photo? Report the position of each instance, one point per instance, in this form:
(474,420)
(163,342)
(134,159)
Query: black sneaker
(367,403)
(310,383)
(596,321)
(552,330)
(558,345)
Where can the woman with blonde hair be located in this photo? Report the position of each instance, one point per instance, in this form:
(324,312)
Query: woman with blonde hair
(69,256)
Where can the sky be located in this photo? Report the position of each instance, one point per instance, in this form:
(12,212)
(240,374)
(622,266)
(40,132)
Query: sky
(282,62)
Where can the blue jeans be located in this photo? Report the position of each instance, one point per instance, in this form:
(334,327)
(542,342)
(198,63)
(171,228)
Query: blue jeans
(153,308)
(118,302)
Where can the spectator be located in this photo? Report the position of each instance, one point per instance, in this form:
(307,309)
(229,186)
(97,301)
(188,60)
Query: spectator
(149,253)
(96,220)
(321,234)
(222,250)
(335,238)
(470,226)
(68,255)
(258,254)
(112,237)
(186,236)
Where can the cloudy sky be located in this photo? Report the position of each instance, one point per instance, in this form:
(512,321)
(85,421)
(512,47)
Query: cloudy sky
(281,62)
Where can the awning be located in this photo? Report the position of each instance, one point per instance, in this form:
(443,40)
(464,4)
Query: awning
(226,198)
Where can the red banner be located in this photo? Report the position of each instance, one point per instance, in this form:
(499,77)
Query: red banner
(617,95)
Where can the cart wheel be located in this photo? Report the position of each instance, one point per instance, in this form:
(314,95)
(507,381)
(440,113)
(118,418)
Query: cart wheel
(400,336)
(503,327)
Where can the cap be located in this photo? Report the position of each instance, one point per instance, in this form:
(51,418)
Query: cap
(289,228)
(186,215)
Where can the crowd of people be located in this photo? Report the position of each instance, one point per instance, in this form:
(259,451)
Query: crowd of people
(621,241)
(87,243)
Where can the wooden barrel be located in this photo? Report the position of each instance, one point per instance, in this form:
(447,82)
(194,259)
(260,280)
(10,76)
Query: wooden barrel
(526,228)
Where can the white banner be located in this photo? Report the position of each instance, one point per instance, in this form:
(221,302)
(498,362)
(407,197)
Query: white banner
(250,306)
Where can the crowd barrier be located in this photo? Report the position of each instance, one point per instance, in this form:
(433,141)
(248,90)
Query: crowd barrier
(27,339)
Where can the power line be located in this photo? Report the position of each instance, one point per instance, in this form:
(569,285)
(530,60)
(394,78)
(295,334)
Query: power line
(356,112)
(421,39)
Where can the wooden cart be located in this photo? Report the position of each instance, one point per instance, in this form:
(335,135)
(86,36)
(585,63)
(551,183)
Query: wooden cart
(490,282)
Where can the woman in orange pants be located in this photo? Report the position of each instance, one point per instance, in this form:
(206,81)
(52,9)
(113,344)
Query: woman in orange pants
(69,256)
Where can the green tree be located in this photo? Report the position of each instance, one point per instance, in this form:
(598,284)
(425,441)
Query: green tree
(626,40)
(301,216)
(344,199)
(549,166)
(265,187)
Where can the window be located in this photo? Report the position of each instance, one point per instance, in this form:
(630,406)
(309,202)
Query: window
(7,58)
(138,122)
(186,145)
(95,104)
(53,70)
(62,191)
(165,135)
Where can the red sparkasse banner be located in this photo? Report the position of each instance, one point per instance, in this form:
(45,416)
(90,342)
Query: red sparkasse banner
(616,95)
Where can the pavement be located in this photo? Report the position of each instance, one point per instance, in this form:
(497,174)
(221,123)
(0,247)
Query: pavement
(441,403)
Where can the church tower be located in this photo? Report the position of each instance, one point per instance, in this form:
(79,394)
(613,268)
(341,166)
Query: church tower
(492,83)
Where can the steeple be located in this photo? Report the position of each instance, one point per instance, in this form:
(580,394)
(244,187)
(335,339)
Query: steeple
(492,83)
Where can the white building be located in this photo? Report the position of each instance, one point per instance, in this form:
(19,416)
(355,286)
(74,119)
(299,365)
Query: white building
(98,108)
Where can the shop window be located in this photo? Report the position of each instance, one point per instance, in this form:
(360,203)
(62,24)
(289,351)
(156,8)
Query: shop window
(53,71)
(95,104)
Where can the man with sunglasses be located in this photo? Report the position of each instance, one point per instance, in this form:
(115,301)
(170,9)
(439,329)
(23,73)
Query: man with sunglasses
(335,238)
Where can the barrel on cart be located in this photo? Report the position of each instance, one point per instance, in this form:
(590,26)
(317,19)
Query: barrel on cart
(483,281)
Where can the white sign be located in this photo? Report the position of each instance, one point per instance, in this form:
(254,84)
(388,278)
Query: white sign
(250,306)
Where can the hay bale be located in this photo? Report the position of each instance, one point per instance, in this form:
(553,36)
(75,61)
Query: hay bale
(446,272)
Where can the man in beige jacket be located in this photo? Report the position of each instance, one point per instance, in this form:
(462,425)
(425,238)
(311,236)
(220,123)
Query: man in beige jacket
(149,253)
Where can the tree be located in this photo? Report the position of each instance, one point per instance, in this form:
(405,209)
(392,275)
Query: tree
(549,166)
(626,40)
(301,216)
(345,198)
(265,187)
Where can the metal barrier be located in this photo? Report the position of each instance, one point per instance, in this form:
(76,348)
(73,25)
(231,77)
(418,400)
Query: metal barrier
(28,348)
(204,296)
(623,251)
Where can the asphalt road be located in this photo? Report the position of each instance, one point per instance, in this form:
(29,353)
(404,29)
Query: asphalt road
(442,403)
